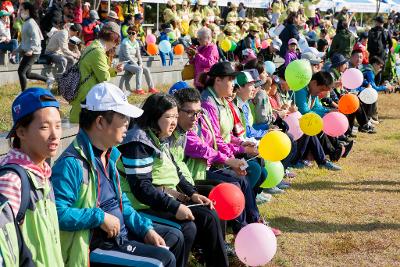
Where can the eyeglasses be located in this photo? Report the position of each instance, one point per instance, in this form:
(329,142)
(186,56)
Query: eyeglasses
(192,113)
(132,33)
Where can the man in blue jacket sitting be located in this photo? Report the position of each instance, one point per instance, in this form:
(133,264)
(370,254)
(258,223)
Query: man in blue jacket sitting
(94,215)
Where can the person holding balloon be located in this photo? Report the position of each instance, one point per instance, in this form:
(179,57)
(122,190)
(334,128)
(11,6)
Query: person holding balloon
(308,102)
(130,51)
(165,49)
(159,187)
(205,56)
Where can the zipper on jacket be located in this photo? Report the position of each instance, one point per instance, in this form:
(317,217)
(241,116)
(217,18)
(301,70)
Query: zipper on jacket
(10,247)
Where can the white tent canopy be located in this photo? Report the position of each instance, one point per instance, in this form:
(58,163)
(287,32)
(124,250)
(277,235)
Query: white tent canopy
(361,6)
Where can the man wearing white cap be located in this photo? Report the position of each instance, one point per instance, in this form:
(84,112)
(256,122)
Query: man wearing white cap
(93,214)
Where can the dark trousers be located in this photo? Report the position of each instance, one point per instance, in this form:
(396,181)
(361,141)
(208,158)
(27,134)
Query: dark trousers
(24,71)
(135,253)
(371,110)
(250,213)
(289,160)
(360,115)
(205,231)
(310,144)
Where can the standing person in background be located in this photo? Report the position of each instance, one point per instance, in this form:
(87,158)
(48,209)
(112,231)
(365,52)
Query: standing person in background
(94,67)
(130,51)
(170,11)
(205,56)
(30,47)
(6,43)
(91,27)
(129,21)
(344,40)
(226,10)
(290,31)
(242,10)
(277,9)
(78,12)
(379,40)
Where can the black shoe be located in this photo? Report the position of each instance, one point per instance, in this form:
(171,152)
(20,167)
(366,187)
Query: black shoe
(367,129)
(347,149)
(336,154)
(351,135)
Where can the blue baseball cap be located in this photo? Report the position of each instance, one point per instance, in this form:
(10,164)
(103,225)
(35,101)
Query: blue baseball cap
(178,86)
(28,102)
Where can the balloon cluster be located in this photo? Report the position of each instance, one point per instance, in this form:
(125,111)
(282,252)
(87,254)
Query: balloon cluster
(164,46)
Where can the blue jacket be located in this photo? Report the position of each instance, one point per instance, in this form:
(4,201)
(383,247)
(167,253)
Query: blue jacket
(369,78)
(67,181)
(304,100)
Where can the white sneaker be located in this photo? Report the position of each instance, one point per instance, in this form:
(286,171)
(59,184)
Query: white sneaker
(354,130)
(374,121)
(50,81)
(127,93)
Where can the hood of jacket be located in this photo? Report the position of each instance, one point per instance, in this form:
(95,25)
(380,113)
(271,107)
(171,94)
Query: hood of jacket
(137,134)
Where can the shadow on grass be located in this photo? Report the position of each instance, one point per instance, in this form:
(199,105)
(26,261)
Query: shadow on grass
(324,185)
(287,224)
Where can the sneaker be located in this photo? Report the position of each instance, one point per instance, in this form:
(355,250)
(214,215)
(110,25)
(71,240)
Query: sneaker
(267,197)
(260,199)
(330,166)
(274,190)
(307,163)
(276,231)
(127,93)
(153,91)
(230,250)
(374,121)
(50,81)
(367,129)
(283,185)
(347,149)
(289,174)
(140,92)
(299,165)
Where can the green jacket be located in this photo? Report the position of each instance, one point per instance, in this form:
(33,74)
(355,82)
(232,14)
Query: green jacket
(177,148)
(40,227)
(342,43)
(95,65)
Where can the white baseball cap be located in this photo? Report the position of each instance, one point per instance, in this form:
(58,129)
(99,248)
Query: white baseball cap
(108,97)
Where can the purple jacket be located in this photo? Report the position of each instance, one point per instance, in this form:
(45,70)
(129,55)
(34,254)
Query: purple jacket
(204,59)
(290,56)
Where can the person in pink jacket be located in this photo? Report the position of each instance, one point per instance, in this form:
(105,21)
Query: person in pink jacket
(205,56)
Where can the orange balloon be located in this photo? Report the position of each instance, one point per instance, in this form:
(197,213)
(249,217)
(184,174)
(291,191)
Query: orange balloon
(348,104)
(152,49)
(179,49)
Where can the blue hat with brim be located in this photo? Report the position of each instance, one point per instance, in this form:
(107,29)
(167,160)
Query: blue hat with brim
(178,86)
(29,101)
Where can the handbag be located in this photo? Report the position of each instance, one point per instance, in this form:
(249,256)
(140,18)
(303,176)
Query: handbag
(188,72)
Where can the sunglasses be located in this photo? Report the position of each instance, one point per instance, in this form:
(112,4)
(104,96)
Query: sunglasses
(132,33)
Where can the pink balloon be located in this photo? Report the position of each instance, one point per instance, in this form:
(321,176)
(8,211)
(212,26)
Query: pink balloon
(255,244)
(335,124)
(352,78)
(294,126)
(151,39)
(264,44)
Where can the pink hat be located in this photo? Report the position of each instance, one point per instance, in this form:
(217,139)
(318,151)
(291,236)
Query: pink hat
(293,41)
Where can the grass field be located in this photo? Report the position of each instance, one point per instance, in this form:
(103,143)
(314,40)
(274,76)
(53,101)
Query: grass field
(346,218)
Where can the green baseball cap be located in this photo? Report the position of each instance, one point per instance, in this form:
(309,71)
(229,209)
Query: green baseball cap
(4,13)
(243,78)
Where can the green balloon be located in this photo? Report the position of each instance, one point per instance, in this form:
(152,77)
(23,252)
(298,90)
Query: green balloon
(275,174)
(233,46)
(397,49)
(171,36)
(298,74)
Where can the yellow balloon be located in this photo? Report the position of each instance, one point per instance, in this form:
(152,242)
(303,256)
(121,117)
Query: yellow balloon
(311,124)
(226,45)
(274,146)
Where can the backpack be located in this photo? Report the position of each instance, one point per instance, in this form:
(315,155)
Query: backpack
(69,82)
(25,188)
(377,40)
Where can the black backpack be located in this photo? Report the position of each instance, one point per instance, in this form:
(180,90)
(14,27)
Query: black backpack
(377,40)
(70,81)
(25,188)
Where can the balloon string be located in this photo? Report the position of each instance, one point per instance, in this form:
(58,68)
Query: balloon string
(228,167)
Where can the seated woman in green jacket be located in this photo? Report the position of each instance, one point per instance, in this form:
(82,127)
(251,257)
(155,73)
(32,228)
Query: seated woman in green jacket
(158,185)
(94,65)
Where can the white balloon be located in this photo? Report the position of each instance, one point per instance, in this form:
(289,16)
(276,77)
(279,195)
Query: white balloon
(368,95)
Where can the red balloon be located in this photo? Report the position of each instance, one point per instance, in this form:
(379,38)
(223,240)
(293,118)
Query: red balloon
(228,201)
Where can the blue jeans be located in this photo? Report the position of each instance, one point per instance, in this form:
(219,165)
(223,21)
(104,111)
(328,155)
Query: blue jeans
(164,60)
(10,46)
